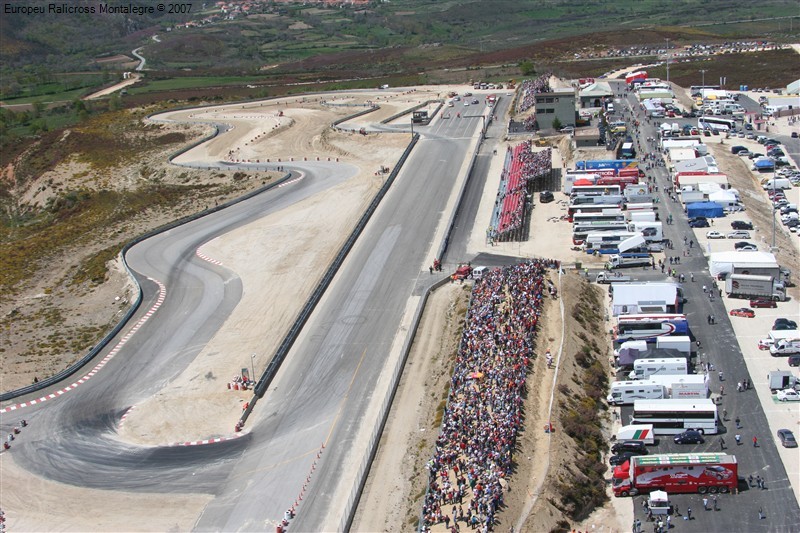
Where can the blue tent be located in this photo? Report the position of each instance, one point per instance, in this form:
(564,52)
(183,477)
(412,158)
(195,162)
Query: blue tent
(705,209)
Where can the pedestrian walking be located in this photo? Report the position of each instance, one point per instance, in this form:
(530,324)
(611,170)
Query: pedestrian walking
(722,390)
(721,376)
(750,480)
(739,387)
(721,443)
(724,414)
(705,504)
(689,513)
(760,513)
(669,521)
(738,423)
(738,439)
(755,441)
(714,499)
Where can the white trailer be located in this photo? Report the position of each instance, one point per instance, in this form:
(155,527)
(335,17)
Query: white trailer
(651,231)
(642,216)
(683,386)
(638,432)
(682,343)
(646,368)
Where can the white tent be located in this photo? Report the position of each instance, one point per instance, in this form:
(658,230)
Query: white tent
(723,198)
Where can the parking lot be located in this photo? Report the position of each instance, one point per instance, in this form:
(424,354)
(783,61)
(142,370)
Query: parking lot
(730,345)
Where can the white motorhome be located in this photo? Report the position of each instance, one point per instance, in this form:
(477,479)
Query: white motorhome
(645,368)
(626,392)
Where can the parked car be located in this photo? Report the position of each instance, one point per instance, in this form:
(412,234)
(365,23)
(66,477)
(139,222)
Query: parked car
(699,223)
(620,458)
(742,244)
(747,248)
(743,312)
(741,224)
(786,438)
(737,149)
(794,360)
(739,234)
(629,446)
(690,436)
(744,153)
(788,395)
(546,197)
(763,302)
(790,324)
(714,235)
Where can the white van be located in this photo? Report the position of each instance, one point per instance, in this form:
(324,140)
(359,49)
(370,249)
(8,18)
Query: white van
(610,108)
(777,183)
(644,368)
(478,272)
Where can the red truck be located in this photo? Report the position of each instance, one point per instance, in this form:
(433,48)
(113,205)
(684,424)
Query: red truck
(676,473)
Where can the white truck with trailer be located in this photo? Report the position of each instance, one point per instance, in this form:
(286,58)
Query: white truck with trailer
(749,286)
(645,368)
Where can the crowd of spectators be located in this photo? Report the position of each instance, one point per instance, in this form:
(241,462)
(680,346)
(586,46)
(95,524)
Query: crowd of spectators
(473,455)
(679,51)
(521,168)
(529,89)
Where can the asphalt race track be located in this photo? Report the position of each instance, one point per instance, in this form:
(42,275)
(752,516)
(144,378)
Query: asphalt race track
(329,389)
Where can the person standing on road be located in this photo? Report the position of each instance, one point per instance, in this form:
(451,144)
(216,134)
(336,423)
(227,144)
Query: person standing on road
(705,504)
(738,423)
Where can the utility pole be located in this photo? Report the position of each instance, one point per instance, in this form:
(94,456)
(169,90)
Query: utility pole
(667,61)
(703,72)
